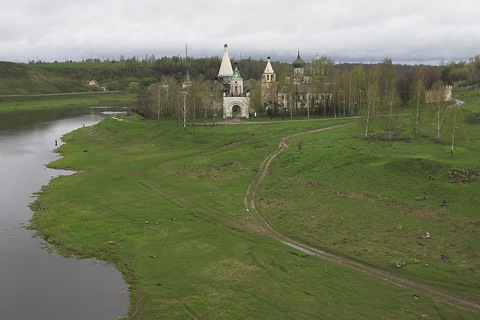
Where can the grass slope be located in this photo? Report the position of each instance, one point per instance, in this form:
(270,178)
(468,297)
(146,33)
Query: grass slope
(22,79)
(166,208)
(113,76)
(56,101)
(68,77)
(374,200)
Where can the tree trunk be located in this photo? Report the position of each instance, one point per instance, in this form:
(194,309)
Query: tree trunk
(453,131)
(416,117)
(438,125)
(366,126)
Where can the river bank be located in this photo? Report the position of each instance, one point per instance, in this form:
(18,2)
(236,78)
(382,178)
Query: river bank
(15,103)
(165,206)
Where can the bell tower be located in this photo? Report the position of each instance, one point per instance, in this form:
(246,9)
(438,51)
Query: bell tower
(269,85)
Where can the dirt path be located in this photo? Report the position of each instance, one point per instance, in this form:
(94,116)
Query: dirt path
(264,227)
(238,120)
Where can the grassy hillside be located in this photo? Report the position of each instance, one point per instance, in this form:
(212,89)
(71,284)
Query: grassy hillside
(42,78)
(375,201)
(21,79)
(57,85)
(113,76)
(166,207)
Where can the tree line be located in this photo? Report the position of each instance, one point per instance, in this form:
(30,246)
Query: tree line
(376,92)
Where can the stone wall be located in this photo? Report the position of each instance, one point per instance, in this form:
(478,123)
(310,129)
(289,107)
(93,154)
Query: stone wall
(430,95)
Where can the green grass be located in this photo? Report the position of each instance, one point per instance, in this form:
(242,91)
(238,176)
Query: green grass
(68,77)
(166,208)
(347,195)
(23,79)
(55,101)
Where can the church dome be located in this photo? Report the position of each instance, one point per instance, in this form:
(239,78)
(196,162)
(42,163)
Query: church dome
(299,63)
(236,74)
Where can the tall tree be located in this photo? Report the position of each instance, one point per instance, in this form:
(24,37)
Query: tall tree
(322,77)
(438,105)
(418,96)
(158,94)
(386,78)
(358,77)
(455,118)
(393,102)
(372,101)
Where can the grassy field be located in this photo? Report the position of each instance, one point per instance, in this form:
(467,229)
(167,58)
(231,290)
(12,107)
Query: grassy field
(374,200)
(54,101)
(166,208)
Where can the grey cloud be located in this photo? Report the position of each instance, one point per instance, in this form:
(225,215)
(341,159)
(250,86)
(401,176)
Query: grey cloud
(349,30)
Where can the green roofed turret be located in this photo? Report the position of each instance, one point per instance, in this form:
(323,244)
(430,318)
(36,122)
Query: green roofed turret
(299,63)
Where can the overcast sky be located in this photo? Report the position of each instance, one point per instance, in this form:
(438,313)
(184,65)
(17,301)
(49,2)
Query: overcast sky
(407,31)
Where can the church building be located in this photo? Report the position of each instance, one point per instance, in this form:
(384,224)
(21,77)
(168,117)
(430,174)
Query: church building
(234,97)
(294,94)
(269,85)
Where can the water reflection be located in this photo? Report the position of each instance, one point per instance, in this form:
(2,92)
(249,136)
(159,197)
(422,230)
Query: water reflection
(33,283)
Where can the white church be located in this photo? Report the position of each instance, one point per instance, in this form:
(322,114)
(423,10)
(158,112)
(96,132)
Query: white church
(233,92)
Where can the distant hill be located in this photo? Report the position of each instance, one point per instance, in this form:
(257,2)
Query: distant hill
(22,79)
(66,77)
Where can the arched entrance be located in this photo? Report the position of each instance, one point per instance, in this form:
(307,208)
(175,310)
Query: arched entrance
(238,105)
(236,111)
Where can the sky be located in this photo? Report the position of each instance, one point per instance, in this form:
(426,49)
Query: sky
(406,31)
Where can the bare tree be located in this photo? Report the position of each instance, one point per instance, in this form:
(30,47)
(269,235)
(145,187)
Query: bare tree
(418,96)
(183,108)
(393,101)
(370,110)
(439,107)
(455,110)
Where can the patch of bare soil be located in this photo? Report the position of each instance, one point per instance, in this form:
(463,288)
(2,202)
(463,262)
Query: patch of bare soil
(232,144)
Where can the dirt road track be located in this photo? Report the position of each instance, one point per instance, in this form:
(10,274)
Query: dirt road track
(266,228)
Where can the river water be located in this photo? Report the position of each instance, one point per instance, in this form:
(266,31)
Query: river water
(35,284)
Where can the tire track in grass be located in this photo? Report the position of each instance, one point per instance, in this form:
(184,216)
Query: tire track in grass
(265,228)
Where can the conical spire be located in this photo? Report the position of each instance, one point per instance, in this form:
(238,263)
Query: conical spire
(225,67)
(268,68)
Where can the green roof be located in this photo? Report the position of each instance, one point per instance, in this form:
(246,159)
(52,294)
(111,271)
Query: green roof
(236,75)
(299,63)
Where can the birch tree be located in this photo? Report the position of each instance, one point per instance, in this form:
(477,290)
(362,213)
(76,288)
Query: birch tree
(393,102)
(386,78)
(439,107)
(455,110)
(183,108)
(357,89)
(418,96)
(372,101)
(323,72)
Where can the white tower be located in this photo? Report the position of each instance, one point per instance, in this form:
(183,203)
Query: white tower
(269,85)
(233,91)
(226,72)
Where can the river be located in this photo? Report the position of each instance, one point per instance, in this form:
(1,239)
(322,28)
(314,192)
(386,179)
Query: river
(35,284)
